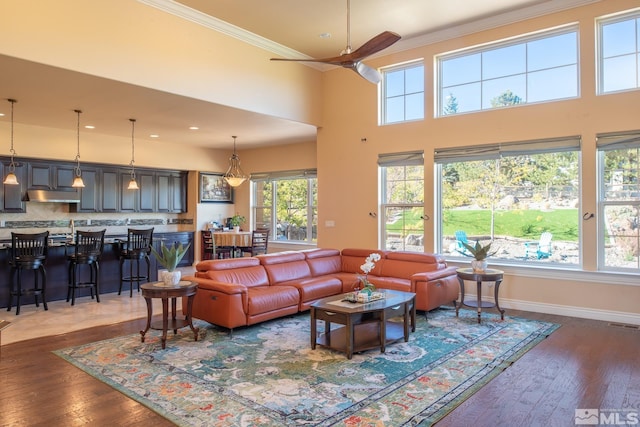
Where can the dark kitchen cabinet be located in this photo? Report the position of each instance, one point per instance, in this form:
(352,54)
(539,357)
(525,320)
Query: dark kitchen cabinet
(110,191)
(90,194)
(40,176)
(12,197)
(171,191)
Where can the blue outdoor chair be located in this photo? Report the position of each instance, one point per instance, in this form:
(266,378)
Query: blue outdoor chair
(542,247)
(461,237)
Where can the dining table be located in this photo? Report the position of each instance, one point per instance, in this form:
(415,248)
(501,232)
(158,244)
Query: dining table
(233,240)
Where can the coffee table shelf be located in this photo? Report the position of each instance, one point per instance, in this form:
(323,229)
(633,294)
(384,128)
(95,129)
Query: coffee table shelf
(366,336)
(365,326)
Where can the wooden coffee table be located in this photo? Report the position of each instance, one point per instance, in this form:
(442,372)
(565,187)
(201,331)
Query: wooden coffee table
(160,290)
(366,325)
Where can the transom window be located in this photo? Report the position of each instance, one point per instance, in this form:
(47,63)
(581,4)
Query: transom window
(402,201)
(286,203)
(531,69)
(402,91)
(619,53)
(524,197)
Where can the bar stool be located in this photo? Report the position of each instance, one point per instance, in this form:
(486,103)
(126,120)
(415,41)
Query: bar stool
(28,252)
(136,248)
(88,249)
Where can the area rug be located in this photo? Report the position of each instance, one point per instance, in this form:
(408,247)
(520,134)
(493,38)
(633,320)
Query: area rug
(267,374)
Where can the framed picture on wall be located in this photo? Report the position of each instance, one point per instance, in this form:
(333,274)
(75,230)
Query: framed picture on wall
(214,188)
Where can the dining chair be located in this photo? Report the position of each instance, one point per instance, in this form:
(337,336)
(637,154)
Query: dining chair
(259,242)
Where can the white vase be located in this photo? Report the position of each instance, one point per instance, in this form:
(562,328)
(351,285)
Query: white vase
(236,228)
(479,266)
(171,278)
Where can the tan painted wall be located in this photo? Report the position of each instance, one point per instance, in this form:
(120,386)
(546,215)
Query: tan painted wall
(128,41)
(346,163)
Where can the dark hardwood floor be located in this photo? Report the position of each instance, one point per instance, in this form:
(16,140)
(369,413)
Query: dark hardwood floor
(584,364)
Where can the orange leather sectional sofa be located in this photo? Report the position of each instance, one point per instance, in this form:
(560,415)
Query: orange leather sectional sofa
(244,291)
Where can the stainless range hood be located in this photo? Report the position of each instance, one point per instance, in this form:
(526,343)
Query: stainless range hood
(50,196)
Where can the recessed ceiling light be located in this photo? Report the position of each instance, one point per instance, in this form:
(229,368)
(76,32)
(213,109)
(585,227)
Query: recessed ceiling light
(153,135)
(325,35)
(89,127)
(193,128)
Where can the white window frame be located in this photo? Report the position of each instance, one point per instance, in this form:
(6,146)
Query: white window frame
(382,110)
(607,142)
(414,158)
(600,23)
(495,151)
(273,178)
(485,48)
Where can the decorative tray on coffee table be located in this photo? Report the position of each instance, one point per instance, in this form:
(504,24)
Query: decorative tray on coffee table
(363,297)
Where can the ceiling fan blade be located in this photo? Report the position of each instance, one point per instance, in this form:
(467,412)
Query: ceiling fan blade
(367,72)
(375,45)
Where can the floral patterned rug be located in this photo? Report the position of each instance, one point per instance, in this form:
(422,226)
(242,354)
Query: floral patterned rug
(267,374)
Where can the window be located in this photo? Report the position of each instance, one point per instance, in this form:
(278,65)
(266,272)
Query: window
(531,69)
(511,194)
(619,53)
(286,203)
(619,201)
(402,201)
(402,93)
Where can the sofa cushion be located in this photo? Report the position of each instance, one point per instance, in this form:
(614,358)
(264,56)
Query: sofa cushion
(245,271)
(285,266)
(314,288)
(406,264)
(352,260)
(264,299)
(323,261)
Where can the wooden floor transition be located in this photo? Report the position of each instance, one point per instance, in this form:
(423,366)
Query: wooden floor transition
(584,364)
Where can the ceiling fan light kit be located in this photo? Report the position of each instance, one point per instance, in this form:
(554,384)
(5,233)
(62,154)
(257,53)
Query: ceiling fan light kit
(353,59)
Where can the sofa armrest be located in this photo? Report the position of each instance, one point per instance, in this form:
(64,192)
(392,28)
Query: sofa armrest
(428,276)
(214,285)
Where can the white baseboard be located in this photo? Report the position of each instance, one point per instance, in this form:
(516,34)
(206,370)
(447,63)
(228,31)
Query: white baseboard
(565,310)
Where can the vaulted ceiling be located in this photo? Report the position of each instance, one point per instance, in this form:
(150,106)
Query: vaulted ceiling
(292,28)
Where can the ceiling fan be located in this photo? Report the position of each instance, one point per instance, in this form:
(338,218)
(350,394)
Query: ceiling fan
(353,59)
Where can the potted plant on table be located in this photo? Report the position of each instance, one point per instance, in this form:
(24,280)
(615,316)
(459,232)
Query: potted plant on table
(169,258)
(236,221)
(479,253)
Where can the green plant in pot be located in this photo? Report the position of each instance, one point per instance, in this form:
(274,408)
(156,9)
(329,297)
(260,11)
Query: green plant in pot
(169,258)
(236,221)
(479,253)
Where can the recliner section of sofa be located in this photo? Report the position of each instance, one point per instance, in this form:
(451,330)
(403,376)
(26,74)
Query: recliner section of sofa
(244,291)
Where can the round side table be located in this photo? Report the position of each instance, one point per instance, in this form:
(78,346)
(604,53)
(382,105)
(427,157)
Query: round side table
(489,275)
(160,290)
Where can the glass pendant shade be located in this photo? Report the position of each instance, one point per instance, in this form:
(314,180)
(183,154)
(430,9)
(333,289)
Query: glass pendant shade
(78,182)
(234,175)
(133,184)
(11,178)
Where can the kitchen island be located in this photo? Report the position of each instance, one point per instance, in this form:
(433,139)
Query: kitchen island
(57,266)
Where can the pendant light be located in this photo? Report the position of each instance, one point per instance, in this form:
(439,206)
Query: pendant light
(11,178)
(133,185)
(235,176)
(77,181)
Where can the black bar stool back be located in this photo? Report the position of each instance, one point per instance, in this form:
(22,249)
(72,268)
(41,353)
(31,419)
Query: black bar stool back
(87,251)
(28,252)
(136,248)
